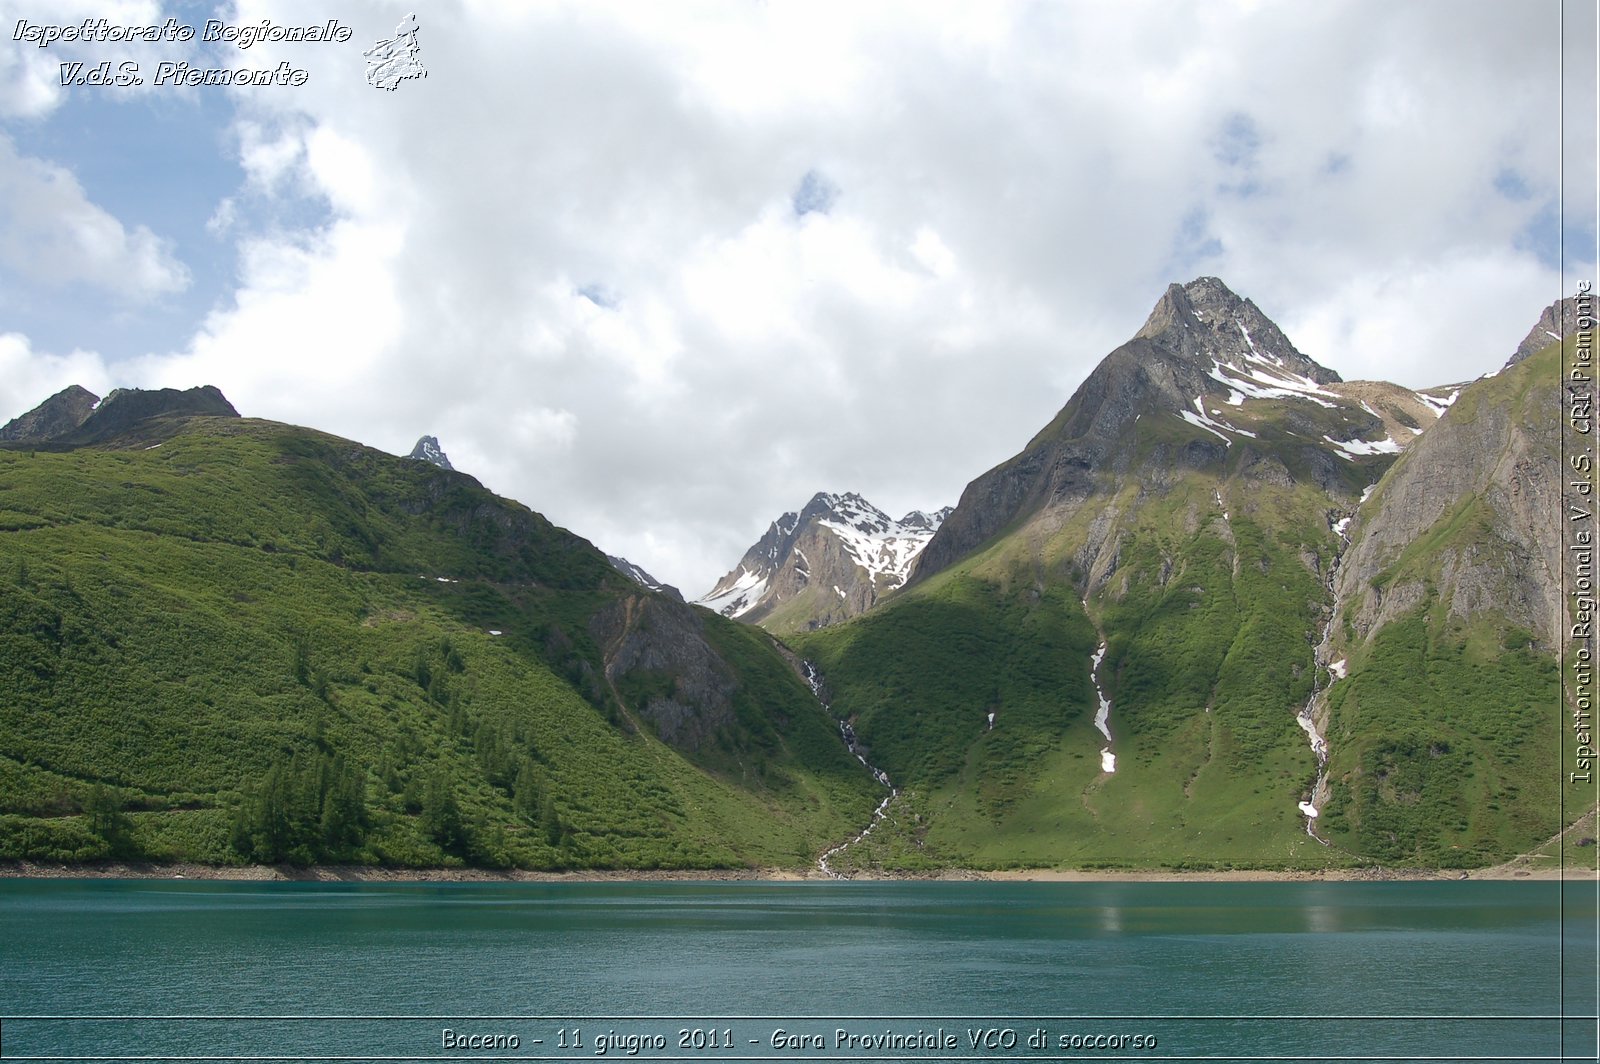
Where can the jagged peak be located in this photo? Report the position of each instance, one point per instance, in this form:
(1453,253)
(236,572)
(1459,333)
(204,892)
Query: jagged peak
(638,575)
(1558,321)
(880,546)
(428,450)
(56,416)
(1206,322)
(1188,303)
(923,519)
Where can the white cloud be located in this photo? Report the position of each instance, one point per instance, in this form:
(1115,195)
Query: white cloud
(313,337)
(1410,325)
(28,377)
(30,76)
(51,232)
(572,251)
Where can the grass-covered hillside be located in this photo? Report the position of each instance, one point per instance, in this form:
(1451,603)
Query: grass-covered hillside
(1214,572)
(1444,737)
(227,640)
(1206,611)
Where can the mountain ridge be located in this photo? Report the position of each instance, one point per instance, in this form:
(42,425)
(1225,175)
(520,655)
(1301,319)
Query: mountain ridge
(258,642)
(1224,610)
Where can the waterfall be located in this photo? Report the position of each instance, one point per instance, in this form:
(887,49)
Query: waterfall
(1306,718)
(848,734)
(1102,715)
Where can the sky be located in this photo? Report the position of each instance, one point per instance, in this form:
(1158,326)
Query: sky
(663,271)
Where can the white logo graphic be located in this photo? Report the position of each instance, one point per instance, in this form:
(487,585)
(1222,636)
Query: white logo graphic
(395,60)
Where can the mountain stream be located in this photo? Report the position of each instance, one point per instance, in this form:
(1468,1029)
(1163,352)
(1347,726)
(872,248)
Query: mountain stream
(1306,718)
(848,734)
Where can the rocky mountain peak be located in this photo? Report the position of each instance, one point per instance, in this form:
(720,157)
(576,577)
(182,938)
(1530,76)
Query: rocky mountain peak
(834,557)
(1254,404)
(73,417)
(1206,323)
(126,416)
(639,576)
(428,450)
(1559,320)
(58,415)
(920,519)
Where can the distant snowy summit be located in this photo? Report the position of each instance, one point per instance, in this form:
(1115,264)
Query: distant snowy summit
(428,450)
(830,561)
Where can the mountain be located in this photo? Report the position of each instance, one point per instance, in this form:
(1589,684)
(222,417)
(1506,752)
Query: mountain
(114,416)
(56,416)
(832,560)
(428,450)
(1114,651)
(1559,320)
(230,640)
(642,578)
(1255,407)
(1439,670)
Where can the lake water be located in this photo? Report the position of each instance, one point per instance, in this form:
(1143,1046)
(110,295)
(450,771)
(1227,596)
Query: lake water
(846,971)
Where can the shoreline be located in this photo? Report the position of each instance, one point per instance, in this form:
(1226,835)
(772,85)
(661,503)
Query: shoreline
(369,874)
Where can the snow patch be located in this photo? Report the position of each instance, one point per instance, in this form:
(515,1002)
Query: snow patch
(1439,406)
(884,548)
(1353,449)
(1102,716)
(1268,380)
(739,597)
(1202,421)
(1340,669)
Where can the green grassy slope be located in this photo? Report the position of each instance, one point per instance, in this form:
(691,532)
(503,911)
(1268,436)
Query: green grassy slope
(1445,737)
(235,640)
(1208,621)
(1206,569)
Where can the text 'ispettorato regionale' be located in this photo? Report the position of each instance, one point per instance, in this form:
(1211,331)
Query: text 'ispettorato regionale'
(179,72)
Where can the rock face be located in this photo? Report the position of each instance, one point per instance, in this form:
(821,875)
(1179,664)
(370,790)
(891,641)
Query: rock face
(58,415)
(1492,468)
(1209,358)
(830,561)
(1324,608)
(685,690)
(1559,320)
(642,578)
(428,450)
(127,409)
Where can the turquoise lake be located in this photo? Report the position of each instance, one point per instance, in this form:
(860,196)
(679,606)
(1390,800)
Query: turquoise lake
(160,970)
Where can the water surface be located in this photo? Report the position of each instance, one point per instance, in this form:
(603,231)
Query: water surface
(1426,969)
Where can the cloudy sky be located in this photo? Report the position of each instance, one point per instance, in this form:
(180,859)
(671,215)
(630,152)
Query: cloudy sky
(664,270)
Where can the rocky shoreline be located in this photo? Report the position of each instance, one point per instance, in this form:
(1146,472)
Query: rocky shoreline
(371,874)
